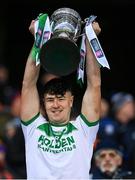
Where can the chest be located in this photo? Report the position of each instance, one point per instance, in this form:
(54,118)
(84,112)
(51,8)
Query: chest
(56,143)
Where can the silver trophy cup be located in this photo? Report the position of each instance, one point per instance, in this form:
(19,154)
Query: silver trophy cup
(60,54)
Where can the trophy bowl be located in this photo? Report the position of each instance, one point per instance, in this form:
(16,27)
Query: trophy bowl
(60,55)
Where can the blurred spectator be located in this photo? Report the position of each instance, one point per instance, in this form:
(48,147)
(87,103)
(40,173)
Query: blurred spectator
(12,113)
(15,154)
(108,127)
(5,172)
(14,141)
(6,90)
(123,108)
(108,161)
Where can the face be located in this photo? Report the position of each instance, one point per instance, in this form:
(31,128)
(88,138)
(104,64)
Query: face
(126,112)
(58,107)
(108,161)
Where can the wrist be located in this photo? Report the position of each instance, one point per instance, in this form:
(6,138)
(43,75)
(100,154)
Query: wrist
(38,37)
(34,52)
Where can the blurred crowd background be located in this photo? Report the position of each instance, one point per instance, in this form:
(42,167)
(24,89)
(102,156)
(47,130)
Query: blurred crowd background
(116,131)
(114,149)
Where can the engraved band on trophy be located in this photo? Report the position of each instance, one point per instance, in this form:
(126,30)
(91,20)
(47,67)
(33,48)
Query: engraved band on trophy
(60,55)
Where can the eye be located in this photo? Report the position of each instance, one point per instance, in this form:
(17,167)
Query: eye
(61,98)
(102,156)
(112,155)
(49,100)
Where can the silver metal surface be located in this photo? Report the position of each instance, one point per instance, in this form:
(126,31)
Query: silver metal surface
(66,22)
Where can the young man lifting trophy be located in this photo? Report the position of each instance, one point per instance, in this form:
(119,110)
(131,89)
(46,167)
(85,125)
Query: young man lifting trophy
(56,146)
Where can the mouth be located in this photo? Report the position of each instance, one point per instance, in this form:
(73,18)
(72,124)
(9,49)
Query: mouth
(56,111)
(108,165)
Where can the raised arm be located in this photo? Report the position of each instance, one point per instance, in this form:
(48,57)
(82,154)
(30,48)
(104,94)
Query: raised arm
(29,95)
(92,98)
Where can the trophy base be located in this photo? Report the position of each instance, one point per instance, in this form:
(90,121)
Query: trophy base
(60,56)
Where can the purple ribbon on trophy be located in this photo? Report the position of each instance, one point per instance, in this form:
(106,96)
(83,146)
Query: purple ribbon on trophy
(95,45)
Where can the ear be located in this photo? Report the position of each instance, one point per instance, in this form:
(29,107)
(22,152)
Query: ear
(72,99)
(119,160)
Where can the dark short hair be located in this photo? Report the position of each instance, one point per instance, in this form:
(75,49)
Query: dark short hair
(119,99)
(108,144)
(57,86)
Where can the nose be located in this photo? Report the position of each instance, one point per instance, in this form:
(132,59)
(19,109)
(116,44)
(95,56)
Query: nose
(55,103)
(107,157)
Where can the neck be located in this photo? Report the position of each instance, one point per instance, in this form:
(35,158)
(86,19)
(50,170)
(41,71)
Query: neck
(59,123)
